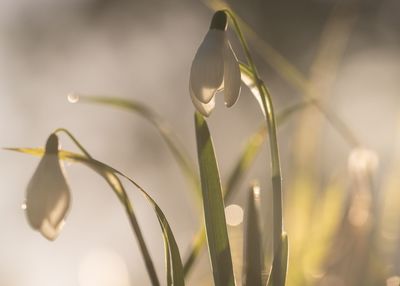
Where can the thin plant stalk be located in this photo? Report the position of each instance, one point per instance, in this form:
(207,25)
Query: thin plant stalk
(267,105)
(291,74)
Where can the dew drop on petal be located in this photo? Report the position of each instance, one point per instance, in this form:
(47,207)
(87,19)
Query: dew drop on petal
(73,97)
(234,215)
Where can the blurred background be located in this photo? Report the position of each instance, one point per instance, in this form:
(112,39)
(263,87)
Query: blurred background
(340,154)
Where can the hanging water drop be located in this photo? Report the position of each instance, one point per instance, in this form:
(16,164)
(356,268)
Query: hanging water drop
(73,97)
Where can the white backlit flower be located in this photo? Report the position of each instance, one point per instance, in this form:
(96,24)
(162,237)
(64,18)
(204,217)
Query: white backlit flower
(48,196)
(214,68)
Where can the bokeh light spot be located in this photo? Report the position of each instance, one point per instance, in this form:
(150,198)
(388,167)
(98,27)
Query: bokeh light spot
(103,267)
(234,215)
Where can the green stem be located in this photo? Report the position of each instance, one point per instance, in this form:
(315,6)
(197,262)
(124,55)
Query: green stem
(276,169)
(124,199)
(72,137)
(295,78)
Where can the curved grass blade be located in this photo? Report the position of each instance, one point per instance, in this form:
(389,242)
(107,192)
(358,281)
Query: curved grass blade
(116,185)
(175,266)
(176,147)
(173,254)
(168,264)
(118,188)
(284,253)
(214,211)
(253,240)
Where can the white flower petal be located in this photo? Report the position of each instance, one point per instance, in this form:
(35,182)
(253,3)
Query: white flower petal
(249,82)
(231,76)
(203,108)
(48,197)
(207,71)
(50,231)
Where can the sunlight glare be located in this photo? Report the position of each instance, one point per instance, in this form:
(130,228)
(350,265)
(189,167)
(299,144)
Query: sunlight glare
(103,267)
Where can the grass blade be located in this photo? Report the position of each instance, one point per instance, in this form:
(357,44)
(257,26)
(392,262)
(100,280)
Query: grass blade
(119,190)
(214,211)
(175,146)
(253,250)
(284,254)
(173,255)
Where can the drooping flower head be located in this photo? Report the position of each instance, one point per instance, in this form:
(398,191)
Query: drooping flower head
(48,195)
(214,68)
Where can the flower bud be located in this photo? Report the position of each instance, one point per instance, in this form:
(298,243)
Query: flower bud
(48,195)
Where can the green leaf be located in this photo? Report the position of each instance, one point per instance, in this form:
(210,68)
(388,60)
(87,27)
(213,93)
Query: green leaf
(214,211)
(253,250)
(173,254)
(175,146)
(240,169)
(280,280)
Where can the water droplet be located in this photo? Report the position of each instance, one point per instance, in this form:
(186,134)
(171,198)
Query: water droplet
(234,215)
(73,97)
(23,206)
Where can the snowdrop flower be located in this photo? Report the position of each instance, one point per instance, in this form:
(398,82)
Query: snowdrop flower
(48,195)
(214,68)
